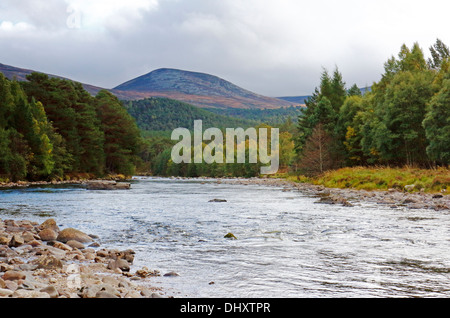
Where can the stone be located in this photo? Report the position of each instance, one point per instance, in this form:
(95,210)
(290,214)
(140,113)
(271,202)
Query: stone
(35,243)
(102,253)
(230,236)
(133,294)
(11,285)
(4,240)
(171,274)
(13,275)
(5,292)
(51,290)
(120,264)
(75,244)
(107,185)
(16,241)
(28,237)
(48,234)
(23,293)
(63,246)
(49,224)
(48,262)
(110,281)
(6,267)
(217,200)
(104,294)
(73,234)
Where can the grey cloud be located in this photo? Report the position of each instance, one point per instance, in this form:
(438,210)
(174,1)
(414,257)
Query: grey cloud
(273,48)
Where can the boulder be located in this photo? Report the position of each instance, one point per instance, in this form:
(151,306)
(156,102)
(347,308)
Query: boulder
(73,234)
(48,262)
(75,244)
(48,234)
(120,263)
(4,240)
(49,224)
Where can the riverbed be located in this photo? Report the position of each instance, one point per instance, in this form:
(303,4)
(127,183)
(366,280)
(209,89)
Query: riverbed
(287,244)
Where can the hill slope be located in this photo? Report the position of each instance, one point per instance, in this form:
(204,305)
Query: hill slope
(163,114)
(199,89)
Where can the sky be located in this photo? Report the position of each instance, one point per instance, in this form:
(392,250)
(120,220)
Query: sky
(271,47)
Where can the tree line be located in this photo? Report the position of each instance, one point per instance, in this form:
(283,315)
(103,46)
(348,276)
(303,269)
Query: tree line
(52,129)
(404,119)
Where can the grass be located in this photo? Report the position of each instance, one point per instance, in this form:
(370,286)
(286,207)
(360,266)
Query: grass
(383,178)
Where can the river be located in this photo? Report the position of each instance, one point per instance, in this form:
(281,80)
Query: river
(287,246)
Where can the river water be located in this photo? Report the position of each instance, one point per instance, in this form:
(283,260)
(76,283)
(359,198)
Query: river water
(288,246)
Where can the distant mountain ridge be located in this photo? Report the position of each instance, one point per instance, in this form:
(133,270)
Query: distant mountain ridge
(199,89)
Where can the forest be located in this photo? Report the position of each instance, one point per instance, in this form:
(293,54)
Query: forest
(404,120)
(52,129)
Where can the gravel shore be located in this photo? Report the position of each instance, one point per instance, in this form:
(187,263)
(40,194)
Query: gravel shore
(42,261)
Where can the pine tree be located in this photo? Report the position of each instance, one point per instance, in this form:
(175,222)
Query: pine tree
(122,137)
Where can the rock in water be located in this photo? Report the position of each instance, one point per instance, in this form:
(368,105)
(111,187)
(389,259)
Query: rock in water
(107,185)
(230,236)
(73,234)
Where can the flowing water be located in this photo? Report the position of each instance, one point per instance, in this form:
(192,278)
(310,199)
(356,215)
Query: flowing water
(287,245)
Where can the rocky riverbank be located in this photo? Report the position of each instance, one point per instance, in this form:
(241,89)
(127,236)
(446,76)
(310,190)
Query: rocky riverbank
(110,184)
(349,197)
(42,261)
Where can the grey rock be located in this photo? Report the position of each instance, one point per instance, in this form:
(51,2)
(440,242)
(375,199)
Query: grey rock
(104,294)
(51,290)
(120,264)
(5,292)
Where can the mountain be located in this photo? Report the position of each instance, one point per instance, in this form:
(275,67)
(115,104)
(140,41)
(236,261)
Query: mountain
(20,74)
(295,99)
(199,89)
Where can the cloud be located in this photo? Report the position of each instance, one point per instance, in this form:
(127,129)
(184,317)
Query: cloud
(270,47)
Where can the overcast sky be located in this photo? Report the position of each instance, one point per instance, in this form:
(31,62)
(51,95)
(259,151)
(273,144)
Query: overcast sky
(271,47)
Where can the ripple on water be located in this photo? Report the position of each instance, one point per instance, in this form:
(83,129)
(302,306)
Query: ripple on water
(287,246)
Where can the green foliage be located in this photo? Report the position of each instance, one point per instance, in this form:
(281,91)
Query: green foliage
(437,125)
(122,136)
(403,120)
(52,128)
(272,117)
(164,114)
(375,178)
